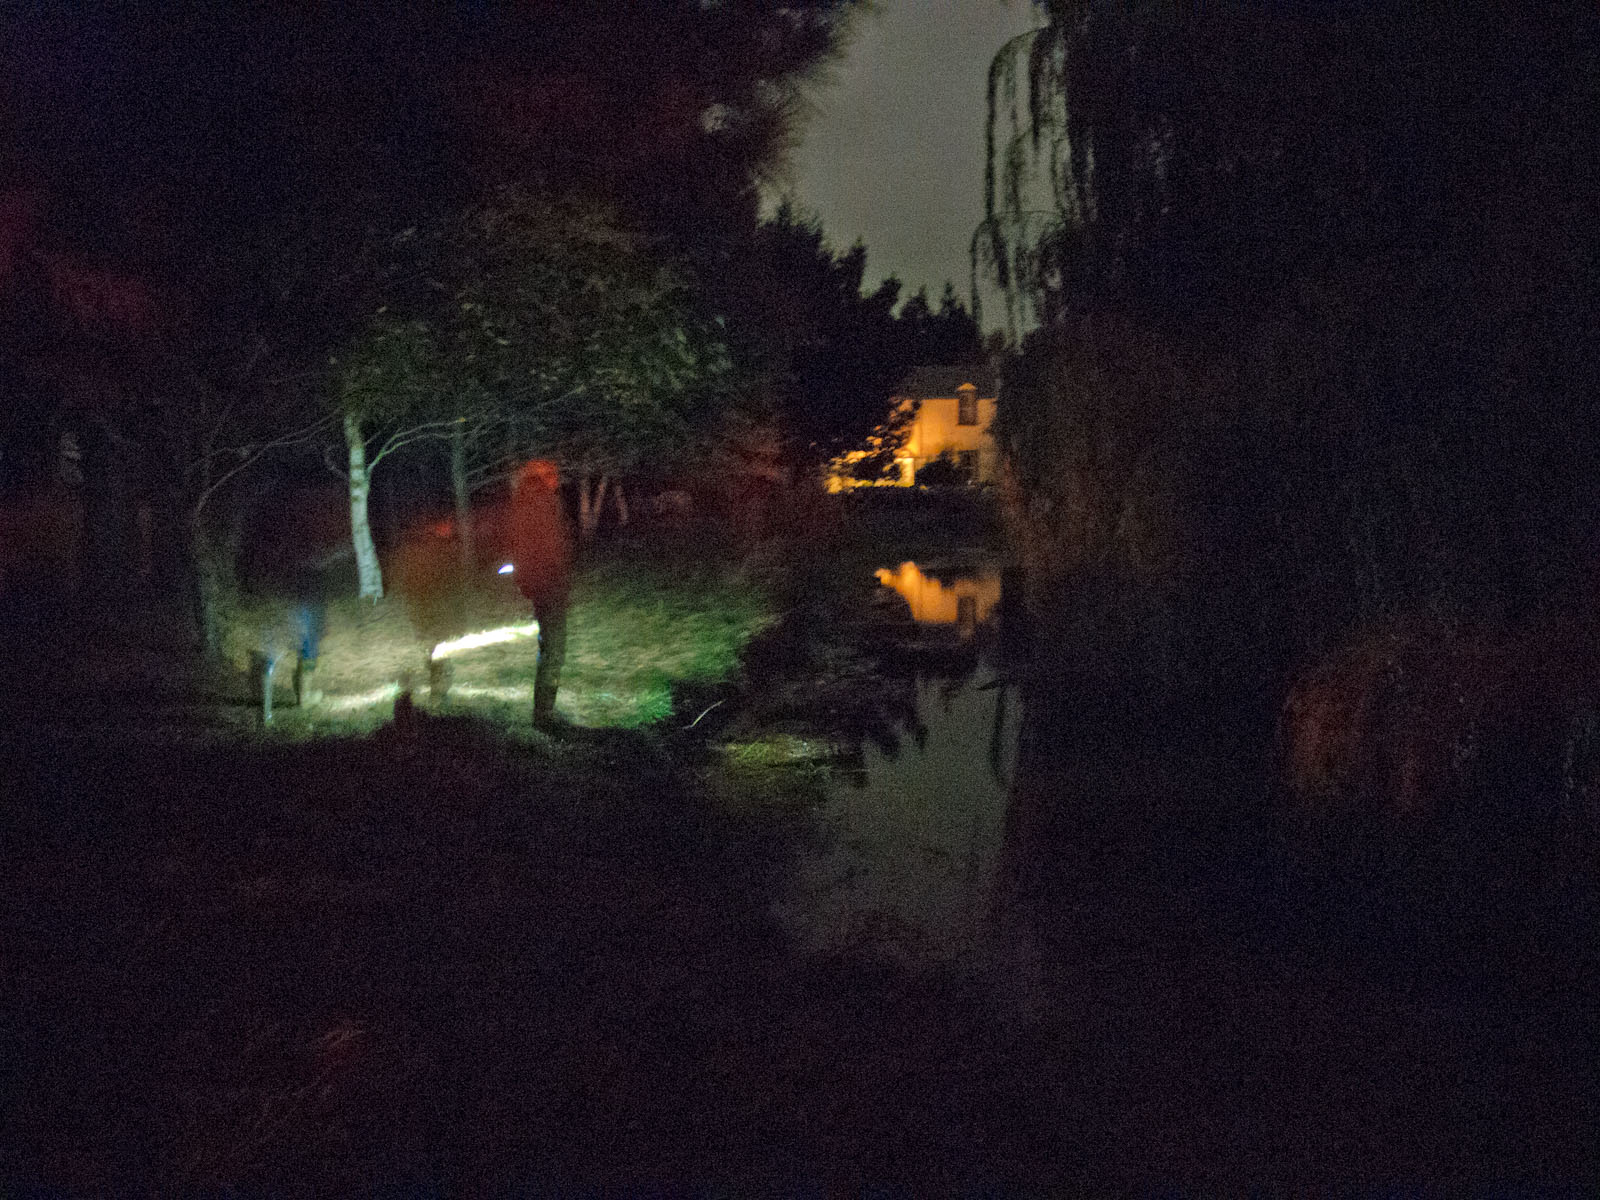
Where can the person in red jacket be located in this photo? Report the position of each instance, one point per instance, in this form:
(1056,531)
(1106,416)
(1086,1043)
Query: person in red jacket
(539,537)
(425,574)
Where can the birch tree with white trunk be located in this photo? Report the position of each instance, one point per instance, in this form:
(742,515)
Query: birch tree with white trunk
(388,397)
(530,328)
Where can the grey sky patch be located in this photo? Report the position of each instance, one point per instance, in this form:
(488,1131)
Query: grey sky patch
(893,153)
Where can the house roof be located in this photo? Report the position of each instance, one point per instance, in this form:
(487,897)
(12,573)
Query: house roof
(922,383)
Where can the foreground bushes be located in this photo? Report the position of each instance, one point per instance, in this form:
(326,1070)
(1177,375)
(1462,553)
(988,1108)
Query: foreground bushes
(1413,717)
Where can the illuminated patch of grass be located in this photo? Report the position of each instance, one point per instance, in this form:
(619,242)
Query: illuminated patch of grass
(637,630)
(777,750)
(778,774)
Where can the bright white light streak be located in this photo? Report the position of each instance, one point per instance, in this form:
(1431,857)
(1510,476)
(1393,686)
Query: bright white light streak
(360,699)
(505,569)
(489,637)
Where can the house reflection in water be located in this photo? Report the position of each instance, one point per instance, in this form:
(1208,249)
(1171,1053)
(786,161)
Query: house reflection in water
(912,859)
(965,601)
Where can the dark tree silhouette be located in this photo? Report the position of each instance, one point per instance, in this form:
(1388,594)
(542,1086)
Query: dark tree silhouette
(1375,223)
(236,163)
(829,355)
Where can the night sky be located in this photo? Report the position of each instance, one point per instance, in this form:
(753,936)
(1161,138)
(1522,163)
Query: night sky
(894,153)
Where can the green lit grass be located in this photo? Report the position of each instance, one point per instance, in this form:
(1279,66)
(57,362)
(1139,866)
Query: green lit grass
(637,630)
(773,775)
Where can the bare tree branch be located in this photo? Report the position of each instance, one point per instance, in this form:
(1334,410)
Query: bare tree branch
(425,431)
(329,450)
(252,454)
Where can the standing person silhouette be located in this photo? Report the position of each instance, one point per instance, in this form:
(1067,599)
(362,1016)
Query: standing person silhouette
(540,541)
(425,570)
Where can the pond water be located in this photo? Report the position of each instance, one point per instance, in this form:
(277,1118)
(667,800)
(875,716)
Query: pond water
(907,860)
(1199,990)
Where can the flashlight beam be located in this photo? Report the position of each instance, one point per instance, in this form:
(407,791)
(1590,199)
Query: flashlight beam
(488,637)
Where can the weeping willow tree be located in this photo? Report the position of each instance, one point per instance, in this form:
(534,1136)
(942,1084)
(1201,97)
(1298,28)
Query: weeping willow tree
(1097,409)
(1027,198)
(1114,133)
(1065,127)
(1334,207)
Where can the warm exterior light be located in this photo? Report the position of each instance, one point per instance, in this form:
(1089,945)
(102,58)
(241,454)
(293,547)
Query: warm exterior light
(489,637)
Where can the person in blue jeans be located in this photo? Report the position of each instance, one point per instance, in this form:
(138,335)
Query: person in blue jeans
(310,623)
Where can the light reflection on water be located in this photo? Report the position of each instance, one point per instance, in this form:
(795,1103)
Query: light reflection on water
(908,862)
(965,601)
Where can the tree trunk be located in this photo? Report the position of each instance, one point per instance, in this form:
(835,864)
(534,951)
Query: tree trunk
(463,498)
(370,573)
(265,665)
(589,505)
(622,503)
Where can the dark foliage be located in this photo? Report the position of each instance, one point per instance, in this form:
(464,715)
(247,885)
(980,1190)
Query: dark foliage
(828,354)
(943,472)
(194,195)
(1361,239)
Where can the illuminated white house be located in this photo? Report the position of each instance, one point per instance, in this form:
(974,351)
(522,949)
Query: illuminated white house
(955,412)
(956,408)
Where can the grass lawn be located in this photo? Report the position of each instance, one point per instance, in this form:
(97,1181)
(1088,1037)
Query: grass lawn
(639,629)
(430,961)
